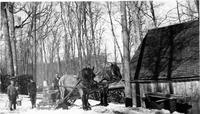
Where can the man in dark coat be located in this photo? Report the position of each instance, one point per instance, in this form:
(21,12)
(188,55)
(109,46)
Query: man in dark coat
(32,92)
(56,85)
(12,95)
(55,82)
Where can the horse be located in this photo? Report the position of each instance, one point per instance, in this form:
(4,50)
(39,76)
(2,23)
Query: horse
(82,82)
(106,76)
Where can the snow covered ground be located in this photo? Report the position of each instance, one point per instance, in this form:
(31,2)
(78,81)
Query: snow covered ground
(112,108)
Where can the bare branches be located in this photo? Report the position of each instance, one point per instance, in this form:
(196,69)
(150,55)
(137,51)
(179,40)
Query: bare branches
(23,22)
(153,14)
(112,29)
(165,18)
(82,26)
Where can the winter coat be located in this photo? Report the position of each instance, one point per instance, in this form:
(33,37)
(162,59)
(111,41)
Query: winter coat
(32,88)
(12,92)
(55,81)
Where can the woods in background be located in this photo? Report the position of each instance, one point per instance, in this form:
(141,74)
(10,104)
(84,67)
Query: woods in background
(44,38)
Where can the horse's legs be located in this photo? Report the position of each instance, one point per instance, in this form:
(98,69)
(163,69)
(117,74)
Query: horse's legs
(103,97)
(105,100)
(87,103)
(62,92)
(84,99)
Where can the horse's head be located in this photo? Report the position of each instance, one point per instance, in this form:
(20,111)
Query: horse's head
(87,73)
(115,71)
(109,73)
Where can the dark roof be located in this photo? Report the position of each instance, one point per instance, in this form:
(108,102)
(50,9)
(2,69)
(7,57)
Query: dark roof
(157,45)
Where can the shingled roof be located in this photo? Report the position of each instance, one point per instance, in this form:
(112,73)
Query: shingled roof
(182,38)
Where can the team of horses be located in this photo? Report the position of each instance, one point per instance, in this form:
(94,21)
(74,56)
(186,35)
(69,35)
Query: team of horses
(87,81)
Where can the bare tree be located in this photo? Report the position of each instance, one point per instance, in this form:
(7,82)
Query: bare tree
(126,56)
(109,6)
(88,56)
(34,22)
(177,8)
(12,35)
(4,14)
(153,14)
(92,32)
(56,48)
(197,5)
(65,27)
(78,11)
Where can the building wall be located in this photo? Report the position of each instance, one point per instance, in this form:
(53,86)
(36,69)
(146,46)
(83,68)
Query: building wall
(191,90)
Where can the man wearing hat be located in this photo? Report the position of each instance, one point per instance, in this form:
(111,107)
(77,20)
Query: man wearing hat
(12,95)
(32,90)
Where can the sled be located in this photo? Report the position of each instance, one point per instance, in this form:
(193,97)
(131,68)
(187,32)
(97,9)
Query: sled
(48,101)
(69,99)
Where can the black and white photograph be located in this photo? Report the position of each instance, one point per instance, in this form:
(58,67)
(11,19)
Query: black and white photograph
(99,57)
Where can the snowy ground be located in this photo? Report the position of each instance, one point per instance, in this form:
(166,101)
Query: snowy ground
(25,108)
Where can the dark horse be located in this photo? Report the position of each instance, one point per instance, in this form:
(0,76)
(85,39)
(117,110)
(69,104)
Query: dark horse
(83,83)
(105,77)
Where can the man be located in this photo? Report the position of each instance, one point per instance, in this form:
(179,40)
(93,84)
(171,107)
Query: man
(56,85)
(32,92)
(55,82)
(12,95)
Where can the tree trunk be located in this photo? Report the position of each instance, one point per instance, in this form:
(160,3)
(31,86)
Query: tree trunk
(67,44)
(42,63)
(92,32)
(59,62)
(6,58)
(126,56)
(79,35)
(105,60)
(4,14)
(73,56)
(177,7)
(109,13)
(35,43)
(21,61)
(45,61)
(153,14)
(88,56)
(12,36)
(113,33)
(197,5)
